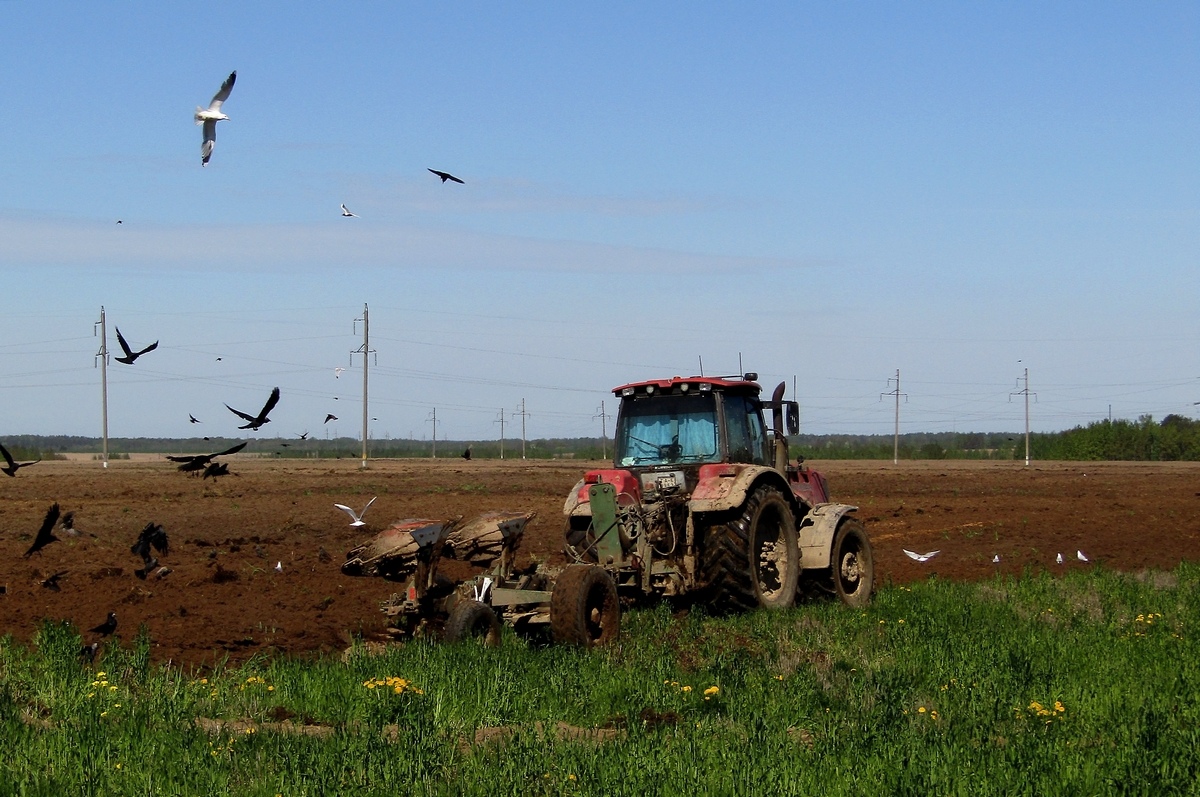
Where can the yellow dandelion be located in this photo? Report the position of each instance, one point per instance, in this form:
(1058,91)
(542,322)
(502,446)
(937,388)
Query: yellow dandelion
(900,621)
(204,680)
(920,709)
(116,705)
(118,765)
(686,688)
(571,776)
(103,713)
(270,689)
(101,674)
(712,690)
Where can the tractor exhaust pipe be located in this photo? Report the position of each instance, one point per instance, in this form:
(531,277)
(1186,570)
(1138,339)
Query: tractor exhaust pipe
(781,442)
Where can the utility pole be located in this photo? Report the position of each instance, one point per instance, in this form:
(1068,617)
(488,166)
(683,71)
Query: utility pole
(500,421)
(1025,392)
(364,350)
(896,436)
(523,415)
(103,355)
(603,416)
(433,418)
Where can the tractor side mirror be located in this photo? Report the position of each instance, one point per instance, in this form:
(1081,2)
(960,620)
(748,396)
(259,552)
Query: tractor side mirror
(793,417)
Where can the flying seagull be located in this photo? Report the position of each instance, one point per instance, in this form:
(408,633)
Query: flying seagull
(11,467)
(130,354)
(107,627)
(45,534)
(920,557)
(255,421)
(446,176)
(357,516)
(337,372)
(330,417)
(200,461)
(347,213)
(210,117)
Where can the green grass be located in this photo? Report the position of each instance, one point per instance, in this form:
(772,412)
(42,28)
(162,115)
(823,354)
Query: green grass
(1085,684)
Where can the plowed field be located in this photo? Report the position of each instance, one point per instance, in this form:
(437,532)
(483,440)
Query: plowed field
(224,597)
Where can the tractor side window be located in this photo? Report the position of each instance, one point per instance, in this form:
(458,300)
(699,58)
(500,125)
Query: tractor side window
(747,438)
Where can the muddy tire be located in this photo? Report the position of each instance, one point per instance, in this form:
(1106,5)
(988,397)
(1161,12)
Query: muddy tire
(471,620)
(584,608)
(753,560)
(852,564)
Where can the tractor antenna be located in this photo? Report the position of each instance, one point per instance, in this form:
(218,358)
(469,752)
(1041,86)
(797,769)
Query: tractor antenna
(701,357)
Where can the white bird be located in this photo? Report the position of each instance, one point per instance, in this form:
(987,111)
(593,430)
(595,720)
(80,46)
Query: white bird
(1059,559)
(279,567)
(346,212)
(920,557)
(1079,555)
(357,516)
(996,559)
(337,373)
(211,116)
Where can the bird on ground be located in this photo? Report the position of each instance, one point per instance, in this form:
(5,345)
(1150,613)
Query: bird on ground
(255,421)
(107,627)
(357,517)
(920,557)
(347,213)
(330,417)
(11,467)
(446,176)
(51,583)
(89,652)
(216,469)
(211,116)
(279,567)
(45,534)
(200,461)
(68,524)
(1059,559)
(467,454)
(192,418)
(996,559)
(130,354)
(1081,556)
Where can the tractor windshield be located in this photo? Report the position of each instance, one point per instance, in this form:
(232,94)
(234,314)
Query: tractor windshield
(666,430)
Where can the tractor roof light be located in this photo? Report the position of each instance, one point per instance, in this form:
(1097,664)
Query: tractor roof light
(649,389)
(684,387)
(705,387)
(627,392)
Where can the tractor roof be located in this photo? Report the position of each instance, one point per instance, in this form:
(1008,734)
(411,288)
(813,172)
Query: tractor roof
(685,384)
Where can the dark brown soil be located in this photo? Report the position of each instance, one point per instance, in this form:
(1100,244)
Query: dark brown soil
(223,595)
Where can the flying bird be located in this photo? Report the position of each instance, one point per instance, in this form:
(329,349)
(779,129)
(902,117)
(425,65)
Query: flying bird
(210,117)
(1080,556)
(51,583)
(255,421)
(107,627)
(330,417)
(68,524)
(152,536)
(347,213)
(357,516)
(45,534)
(446,176)
(337,372)
(200,461)
(130,354)
(192,418)
(303,436)
(467,454)
(11,467)
(920,557)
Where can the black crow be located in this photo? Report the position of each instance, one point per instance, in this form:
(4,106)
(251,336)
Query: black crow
(68,523)
(192,418)
(446,176)
(330,417)
(45,534)
(255,421)
(216,469)
(11,467)
(153,535)
(130,354)
(107,627)
(51,583)
(467,454)
(89,652)
(200,461)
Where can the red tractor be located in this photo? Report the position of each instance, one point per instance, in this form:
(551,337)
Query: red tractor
(702,498)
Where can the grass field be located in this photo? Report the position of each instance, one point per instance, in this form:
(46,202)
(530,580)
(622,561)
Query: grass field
(1085,684)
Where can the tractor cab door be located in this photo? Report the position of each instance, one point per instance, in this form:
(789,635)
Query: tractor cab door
(745,432)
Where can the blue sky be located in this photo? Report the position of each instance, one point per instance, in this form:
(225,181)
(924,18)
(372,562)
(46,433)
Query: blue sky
(824,192)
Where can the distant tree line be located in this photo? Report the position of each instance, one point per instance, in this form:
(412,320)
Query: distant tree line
(1174,438)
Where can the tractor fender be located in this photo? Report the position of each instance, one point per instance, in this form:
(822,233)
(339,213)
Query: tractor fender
(817,530)
(725,487)
(574,499)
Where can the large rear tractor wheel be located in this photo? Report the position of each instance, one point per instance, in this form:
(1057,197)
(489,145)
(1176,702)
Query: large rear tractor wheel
(584,608)
(754,560)
(852,564)
(472,620)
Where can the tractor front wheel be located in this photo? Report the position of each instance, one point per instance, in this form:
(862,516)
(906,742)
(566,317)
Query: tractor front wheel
(472,620)
(584,607)
(852,564)
(754,559)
